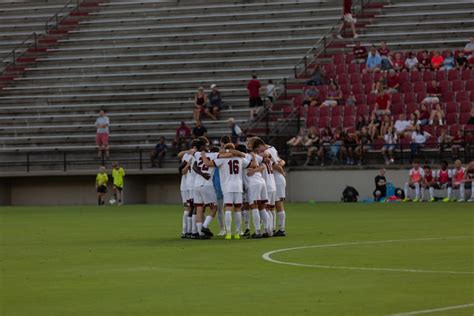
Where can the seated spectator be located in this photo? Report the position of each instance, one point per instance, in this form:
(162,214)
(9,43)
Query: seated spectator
(360,54)
(436,61)
(360,123)
(312,142)
(183,137)
(444,140)
(298,140)
(271,92)
(383,50)
(351,100)
(235,131)
(411,63)
(469,50)
(337,149)
(333,96)
(401,125)
(381,84)
(215,102)
(311,97)
(437,114)
(374,61)
(374,126)
(470,121)
(418,140)
(380,191)
(433,93)
(158,153)
(449,62)
(390,142)
(318,77)
(387,123)
(199,130)
(461,61)
(398,63)
(425,62)
(414,122)
(200,102)
(423,114)
(325,144)
(382,103)
(350,144)
(457,144)
(364,143)
(393,81)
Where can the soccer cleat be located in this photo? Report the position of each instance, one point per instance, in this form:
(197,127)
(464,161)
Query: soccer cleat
(228,236)
(207,232)
(237,236)
(183,236)
(246,233)
(406,200)
(461,200)
(265,235)
(279,233)
(221,233)
(446,200)
(416,200)
(432,200)
(471,200)
(256,236)
(195,236)
(204,237)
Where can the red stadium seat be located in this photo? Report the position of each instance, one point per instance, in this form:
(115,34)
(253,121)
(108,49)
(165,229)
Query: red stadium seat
(330,70)
(451,107)
(337,110)
(355,78)
(453,74)
(458,85)
(323,122)
(298,100)
(463,118)
(342,78)
(415,76)
(440,75)
(398,109)
(445,86)
(467,74)
(287,111)
(361,110)
(428,76)
(448,96)
(353,69)
(452,118)
(409,98)
(462,96)
(323,111)
(368,88)
(453,129)
(349,110)
(419,87)
(420,97)
(357,88)
(465,107)
(349,58)
(404,76)
(472,96)
(338,59)
(397,98)
(345,88)
(412,108)
(361,99)
(371,99)
(470,85)
(378,144)
(406,87)
(348,121)
(341,69)
(335,121)
(310,121)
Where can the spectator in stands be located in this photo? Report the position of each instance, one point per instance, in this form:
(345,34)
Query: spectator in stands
(270,92)
(448,62)
(425,62)
(200,102)
(418,140)
(311,97)
(298,140)
(333,96)
(393,81)
(325,144)
(102,135)
(457,144)
(411,63)
(469,50)
(414,121)
(390,142)
(383,50)
(312,142)
(183,137)
(255,101)
(398,63)
(350,144)
(461,60)
(364,143)
(360,54)
(360,123)
(215,102)
(381,84)
(437,114)
(318,77)
(382,103)
(158,153)
(423,114)
(436,61)
(351,100)
(401,125)
(470,121)
(374,126)
(235,130)
(444,140)
(380,191)
(337,150)
(387,123)
(199,130)
(374,61)
(347,18)
(433,93)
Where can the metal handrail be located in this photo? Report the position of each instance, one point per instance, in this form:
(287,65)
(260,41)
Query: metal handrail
(55,17)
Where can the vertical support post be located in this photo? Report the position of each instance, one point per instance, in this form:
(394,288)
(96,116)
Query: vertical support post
(27,162)
(64,162)
(296,72)
(141,159)
(57,21)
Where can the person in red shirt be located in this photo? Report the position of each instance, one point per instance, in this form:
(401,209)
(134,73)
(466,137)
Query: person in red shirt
(383,50)
(360,54)
(347,18)
(183,136)
(382,103)
(398,62)
(436,61)
(393,81)
(255,101)
(433,93)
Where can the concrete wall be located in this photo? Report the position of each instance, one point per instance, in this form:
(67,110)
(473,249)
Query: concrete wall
(163,188)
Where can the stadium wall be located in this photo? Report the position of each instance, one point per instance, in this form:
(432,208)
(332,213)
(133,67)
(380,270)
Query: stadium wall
(162,187)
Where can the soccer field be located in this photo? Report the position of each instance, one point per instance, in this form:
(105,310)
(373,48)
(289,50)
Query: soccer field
(355,259)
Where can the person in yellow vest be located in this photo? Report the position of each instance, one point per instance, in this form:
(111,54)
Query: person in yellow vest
(117,174)
(101,181)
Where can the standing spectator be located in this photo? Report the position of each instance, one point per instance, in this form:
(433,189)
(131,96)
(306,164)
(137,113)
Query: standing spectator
(199,130)
(364,143)
(158,153)
(200,101)
(215,102)
(436,61)
(437,114)
(374,61)
(360,54)
(425,62)
(102,135)
(418,140)
(374,126)
(393,81)
(255,101)
(382,103)
(311,97)
(271,91)
(433,93)
(318,77)
(461,61)
(236,131)
(449,62)
(401,125)
(333,96)
(411,63)
(390,142)
(398,62)
(347,18)
(183,136)
(380,191)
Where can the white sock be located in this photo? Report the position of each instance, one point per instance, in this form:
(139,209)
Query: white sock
(264,218)
(246,215)
(238,222)
(282,220)
(406,190)
(189,224)
(472,190)
(220,216)
(199,228)
(422,194)
(194,224)
(417,190)
(269,222)
(274,214)
(228,222)
(208,221)
(450,192)
(185,221)
(256,220)
(461,191)
(431,193)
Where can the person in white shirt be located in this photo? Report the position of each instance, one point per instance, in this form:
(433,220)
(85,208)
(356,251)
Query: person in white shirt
(184,170)
(230,171)
(458,174)
(271,91)
(391,140)
(418,140)
(415,177)
(401,124)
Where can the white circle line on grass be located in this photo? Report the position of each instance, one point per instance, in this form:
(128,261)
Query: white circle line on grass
(268,255)
(435,310)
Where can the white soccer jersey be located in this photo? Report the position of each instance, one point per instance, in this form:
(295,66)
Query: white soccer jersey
(257,176)
(230,172)
(279,178)
(416,174)
(269,177)
(189,182)
(199,180)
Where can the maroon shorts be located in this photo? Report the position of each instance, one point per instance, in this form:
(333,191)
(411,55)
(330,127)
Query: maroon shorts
(102,139)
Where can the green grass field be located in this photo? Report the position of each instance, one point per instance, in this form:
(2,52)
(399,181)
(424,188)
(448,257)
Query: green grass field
(129,261)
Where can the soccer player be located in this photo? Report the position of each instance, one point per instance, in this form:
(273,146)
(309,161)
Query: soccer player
(469,179)
(428,183)
(216,180)
(101,181)
(230,171)
(184,170)
(416,175)
(458,177)
(444,181)
(117,174)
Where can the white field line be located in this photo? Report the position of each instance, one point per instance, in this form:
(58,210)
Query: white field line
(267,256)
(434,310)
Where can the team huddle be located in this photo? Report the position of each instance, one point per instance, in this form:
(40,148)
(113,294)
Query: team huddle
(248,181)
(445,179)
